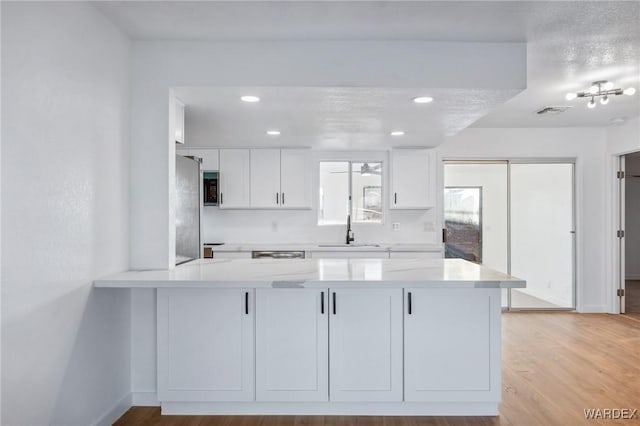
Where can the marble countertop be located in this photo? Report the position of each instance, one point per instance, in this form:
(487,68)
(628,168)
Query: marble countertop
(317,273)
(239,247)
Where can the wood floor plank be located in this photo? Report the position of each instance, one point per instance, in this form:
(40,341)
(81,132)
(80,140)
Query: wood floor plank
(555,365)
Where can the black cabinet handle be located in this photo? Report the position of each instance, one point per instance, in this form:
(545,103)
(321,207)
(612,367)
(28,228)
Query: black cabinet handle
(283,198)
(322,302)
(395,198)
(246,303)
(409,302)
(277,198)
(334,303)
(221,198)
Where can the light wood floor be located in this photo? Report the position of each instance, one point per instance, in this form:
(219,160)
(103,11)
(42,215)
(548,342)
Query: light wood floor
(555,365)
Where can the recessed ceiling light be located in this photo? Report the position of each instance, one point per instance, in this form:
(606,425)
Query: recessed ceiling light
(273,132)
(397,133)
(423,99)
(249,98)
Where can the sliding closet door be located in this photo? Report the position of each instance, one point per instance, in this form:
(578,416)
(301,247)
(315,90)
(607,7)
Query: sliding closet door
(542,235)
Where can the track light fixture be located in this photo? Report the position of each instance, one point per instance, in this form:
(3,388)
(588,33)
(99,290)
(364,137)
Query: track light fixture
(602,89)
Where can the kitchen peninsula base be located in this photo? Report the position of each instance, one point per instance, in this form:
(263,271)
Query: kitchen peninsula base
(330,336)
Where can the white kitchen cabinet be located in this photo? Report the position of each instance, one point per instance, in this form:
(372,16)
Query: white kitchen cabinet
(452,344)
(349,254)
(292,346)
(295,178)
(281,178)
(365,345)
(234,178)
(415,255)
(205,344)
(179,121)
(265,178)
(412,178)
(209,156)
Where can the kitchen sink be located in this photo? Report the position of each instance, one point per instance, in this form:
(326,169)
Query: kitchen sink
(349,245)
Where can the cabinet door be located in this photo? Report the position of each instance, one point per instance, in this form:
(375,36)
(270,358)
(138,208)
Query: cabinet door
(412,179)
(210,158)
(205,345)
(292,345)
(179,122)
(452,344)
(365,345)
(234,178)
(265,178)
(295,178)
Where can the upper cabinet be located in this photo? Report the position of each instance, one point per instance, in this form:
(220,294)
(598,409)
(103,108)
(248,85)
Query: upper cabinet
(295,178)
(234,179)
(210,157)
(412,178)
(179,121)
(280,178)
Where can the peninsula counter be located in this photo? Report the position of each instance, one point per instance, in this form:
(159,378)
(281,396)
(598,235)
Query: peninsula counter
(327,336)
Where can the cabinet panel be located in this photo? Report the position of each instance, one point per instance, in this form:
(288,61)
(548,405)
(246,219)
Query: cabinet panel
(210,158)
(234,178)
(292,345)
(179,121)
(205,345)
(295,178)
(415,255)
(452,344)
(412,179)
(265,178)
(365,346)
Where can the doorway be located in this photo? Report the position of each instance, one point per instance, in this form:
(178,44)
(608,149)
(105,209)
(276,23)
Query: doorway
(516,217)
(630,241)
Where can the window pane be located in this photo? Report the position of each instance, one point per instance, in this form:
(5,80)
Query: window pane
(334,193)
(366,184)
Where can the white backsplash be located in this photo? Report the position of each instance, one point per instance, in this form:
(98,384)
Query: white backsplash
(300,226)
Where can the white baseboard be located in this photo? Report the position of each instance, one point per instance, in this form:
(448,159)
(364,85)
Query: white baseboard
(334,408)
(115,412)
(594,309)
(145,399)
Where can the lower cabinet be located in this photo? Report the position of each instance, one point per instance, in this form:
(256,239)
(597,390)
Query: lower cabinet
(452,344)
(205,344)
(365,345)
(292,352)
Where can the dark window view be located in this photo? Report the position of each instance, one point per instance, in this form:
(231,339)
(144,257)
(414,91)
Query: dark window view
(463,223)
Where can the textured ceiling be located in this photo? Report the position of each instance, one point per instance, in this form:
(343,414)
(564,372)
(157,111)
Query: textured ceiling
(331,118)
(569,44)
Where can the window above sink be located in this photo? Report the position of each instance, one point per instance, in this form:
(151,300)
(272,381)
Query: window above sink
(350,187)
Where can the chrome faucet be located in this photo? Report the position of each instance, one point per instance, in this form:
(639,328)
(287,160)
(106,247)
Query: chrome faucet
(350,236)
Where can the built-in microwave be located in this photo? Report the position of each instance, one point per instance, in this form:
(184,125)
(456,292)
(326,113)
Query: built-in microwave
(210,188)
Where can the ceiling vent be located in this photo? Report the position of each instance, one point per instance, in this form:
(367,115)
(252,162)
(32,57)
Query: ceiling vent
(552,110)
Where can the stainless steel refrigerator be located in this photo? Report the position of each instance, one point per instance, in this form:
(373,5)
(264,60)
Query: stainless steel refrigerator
(188,208)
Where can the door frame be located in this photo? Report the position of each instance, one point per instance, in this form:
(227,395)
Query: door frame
(575,219)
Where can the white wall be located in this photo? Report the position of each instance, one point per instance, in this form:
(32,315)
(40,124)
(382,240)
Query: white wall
(65,202)
(587,146)
(632,215)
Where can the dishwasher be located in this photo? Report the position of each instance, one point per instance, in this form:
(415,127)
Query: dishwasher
(277,254)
